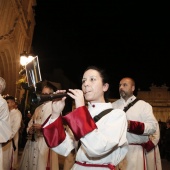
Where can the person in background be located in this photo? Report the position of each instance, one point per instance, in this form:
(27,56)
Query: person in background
(141,124)
(5,126)
(24,130)
(162,127)
(10,149)
(36,154)
(17,107)
(103,143)
(166,141)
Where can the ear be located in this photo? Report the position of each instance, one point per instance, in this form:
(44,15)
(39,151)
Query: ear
(133,88)
(105,87)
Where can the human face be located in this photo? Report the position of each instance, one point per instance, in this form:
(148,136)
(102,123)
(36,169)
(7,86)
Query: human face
(46,90)
(11,104)
(126,88)
(93,87)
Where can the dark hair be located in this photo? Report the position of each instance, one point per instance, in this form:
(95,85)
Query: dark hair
(105,79)
(10,98)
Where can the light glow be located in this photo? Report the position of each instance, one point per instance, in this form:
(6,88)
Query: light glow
(24,60)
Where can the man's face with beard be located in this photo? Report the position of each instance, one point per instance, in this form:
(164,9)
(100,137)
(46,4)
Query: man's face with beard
(126,88)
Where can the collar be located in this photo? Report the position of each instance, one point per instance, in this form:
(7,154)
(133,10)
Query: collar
(130,99)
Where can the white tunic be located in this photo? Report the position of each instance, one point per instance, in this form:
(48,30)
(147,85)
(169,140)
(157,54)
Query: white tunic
(105,145)
(142,112)
(5,127)
(10,157)
(35,154)
(153,158)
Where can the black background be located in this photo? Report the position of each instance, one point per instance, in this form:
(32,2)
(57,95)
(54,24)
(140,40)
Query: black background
(125,38)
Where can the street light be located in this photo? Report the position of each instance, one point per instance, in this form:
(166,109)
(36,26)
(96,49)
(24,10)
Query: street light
(25,58)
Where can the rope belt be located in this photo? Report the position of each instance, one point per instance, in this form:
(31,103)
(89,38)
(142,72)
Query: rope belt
(109,166)
(144,164)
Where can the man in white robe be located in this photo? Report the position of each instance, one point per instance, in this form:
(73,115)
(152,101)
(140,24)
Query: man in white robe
(5,127)
(10,149)
(141,124)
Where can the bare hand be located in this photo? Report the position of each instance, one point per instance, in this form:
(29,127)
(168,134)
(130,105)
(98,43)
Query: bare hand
(31,130)
(37,126)
(78,96)
(58,105)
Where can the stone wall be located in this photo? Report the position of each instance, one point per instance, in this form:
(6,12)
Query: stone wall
(159,98)
(16,33)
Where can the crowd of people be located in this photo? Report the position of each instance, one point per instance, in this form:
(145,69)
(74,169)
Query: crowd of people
(96,134)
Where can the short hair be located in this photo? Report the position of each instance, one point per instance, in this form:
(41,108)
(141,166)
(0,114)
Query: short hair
(10,98)
(2,85)
(131,79)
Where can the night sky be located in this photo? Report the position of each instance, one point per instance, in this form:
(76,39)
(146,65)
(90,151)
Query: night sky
(125,38)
